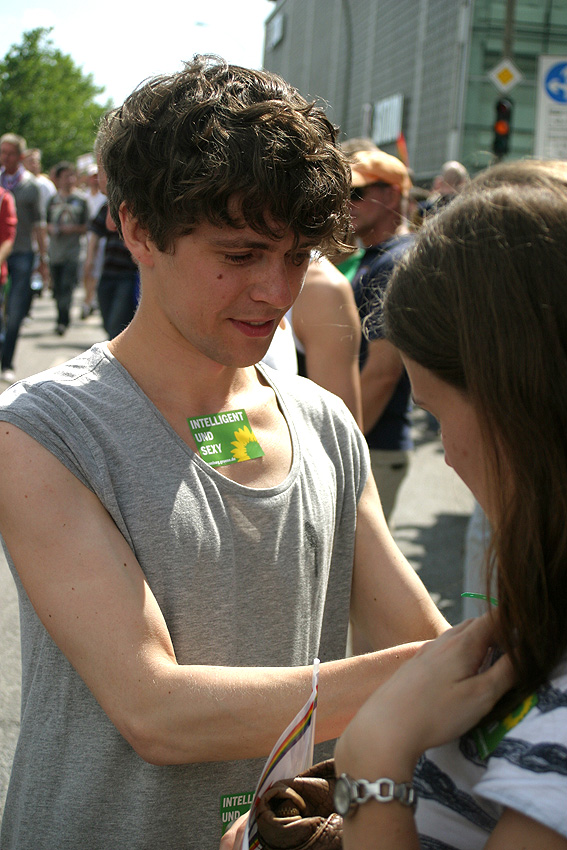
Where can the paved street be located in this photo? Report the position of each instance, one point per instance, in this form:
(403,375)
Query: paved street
(429,521)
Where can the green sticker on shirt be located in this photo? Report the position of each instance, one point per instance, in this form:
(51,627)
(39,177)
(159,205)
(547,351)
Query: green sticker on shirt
(232,806)
(487,736)
(223,438)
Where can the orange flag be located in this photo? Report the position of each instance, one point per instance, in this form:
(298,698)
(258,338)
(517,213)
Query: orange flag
(402,149)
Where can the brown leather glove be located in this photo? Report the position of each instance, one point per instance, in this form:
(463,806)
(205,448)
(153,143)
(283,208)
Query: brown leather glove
(296,814)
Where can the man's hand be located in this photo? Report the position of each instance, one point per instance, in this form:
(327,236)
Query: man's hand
(43,269)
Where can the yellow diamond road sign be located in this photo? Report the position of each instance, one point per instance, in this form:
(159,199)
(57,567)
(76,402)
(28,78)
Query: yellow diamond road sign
(505,76)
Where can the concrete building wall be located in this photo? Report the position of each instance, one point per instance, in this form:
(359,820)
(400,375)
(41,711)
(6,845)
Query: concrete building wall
(354,53)
(437,54)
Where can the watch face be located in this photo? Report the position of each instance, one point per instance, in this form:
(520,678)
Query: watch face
(343,799)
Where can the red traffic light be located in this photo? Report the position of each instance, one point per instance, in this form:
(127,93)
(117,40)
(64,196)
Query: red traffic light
(502,126)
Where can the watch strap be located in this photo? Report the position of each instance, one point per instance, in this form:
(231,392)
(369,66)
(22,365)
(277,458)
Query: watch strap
(385,790)
(382,790)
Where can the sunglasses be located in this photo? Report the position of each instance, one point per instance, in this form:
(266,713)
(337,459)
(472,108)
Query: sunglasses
(359,193)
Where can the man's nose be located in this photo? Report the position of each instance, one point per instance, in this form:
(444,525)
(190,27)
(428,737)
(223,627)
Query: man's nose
(277,286)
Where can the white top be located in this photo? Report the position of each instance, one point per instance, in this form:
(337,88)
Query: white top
(462,797)
(281,354)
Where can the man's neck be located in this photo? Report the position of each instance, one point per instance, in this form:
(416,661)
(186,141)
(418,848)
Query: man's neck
(184,384)
(19,169)
(167,371)
(383,230)
(377,237)
(12,179)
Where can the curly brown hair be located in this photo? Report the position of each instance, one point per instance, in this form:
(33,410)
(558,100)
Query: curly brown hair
(183,146)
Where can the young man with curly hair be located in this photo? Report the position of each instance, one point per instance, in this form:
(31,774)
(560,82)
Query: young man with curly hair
(174,598)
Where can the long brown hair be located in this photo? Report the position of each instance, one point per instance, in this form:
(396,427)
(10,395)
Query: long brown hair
(481,301)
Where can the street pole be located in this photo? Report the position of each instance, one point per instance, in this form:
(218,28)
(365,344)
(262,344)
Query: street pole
(348,69)
(508,41)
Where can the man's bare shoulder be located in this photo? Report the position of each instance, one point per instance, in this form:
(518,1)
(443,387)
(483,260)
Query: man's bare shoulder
(322,273)
(326,302)
(20,452)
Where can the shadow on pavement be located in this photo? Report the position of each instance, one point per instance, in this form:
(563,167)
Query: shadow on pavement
(436,552)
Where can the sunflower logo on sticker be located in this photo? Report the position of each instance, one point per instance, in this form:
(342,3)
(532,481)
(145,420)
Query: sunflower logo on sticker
(246,446)
(520,712)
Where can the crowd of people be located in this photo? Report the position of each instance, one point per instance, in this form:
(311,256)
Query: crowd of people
(190,524)
(49,227)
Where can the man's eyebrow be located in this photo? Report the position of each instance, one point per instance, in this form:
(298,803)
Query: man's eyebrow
(241,242)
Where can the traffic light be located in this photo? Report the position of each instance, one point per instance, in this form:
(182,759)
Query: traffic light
(502,126)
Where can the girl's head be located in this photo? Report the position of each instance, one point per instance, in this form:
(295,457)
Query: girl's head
(480,305)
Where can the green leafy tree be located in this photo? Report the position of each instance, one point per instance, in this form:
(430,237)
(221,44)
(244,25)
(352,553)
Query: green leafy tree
(47,99)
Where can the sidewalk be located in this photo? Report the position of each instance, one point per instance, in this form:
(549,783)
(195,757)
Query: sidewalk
(39,347)
(430,520)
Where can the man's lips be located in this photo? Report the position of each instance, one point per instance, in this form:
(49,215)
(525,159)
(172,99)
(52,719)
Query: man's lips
(255,328)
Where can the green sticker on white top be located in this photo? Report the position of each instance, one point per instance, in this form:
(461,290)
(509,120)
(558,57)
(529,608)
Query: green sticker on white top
(225,438)
(487,736)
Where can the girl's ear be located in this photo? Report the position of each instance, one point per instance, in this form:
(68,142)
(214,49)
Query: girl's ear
(136,238)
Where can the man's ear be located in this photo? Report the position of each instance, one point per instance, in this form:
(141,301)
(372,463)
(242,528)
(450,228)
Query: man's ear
(136,238)
(393,197)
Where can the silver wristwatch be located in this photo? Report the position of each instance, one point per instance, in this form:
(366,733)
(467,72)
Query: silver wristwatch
(350,793)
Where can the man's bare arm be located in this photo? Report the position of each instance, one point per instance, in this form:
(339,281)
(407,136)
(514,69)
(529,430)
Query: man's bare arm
(325,320)
(389,603)
(40,235)
(91,595)
(6,250)
(378,378)
(89,280)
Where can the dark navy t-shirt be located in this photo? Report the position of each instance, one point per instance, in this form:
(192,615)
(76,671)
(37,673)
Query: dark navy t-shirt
(393,429)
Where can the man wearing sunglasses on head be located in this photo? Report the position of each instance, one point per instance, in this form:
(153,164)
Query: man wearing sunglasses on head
(380,190)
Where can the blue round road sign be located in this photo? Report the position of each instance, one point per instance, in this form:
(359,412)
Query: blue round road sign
(556,82)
